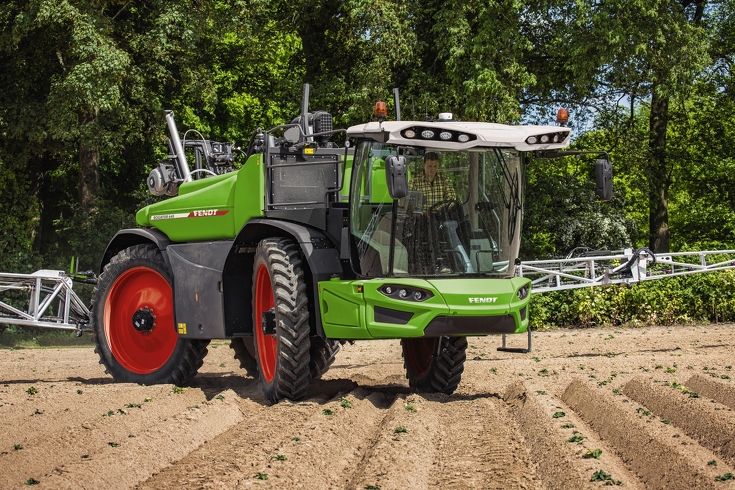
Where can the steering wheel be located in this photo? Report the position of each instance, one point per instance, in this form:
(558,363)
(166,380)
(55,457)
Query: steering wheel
(445,206)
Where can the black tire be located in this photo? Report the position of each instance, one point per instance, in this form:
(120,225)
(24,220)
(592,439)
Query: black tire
(137,279)
(428,373)
(244,348)
(279,287)
(322,354)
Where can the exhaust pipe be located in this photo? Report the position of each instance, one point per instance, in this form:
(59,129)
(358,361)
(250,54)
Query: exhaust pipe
(178,147)
(305,109)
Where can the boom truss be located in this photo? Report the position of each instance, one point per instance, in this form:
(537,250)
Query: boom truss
(599,269)
(42,299)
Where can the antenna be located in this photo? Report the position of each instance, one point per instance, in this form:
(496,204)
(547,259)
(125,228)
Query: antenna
(305,109)
(397,104)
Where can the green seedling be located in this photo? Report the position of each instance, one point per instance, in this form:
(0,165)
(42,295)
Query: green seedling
(148,400)
(725,376)
(219,397)
(575,439)
(85,456)
(121,411)
(327,411)
(410,407)
(601,475)
(659,366)
(278,457)
(32,481)
(543,372)
(177,390)
(79,392)
(666,421)
(113,444)
(17,447)
(222,364)
(37,412)
(536,359)
(558,415)
(372,487)
(541,392)
(401,430)
(567,426)
(32,390)
(132,405)
(593,454)
(261,476)
(193,407)
(345,403)
(670,370)
(616,391)
(297,439)
(725,477)
(712,463)
(494,370)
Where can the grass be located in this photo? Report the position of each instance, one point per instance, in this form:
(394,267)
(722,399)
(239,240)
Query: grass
(18,337)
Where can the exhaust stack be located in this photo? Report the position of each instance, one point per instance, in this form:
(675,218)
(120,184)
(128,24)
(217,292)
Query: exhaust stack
(178,147)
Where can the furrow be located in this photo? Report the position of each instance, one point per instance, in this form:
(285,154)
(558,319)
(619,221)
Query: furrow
(478,446)
(54,445)
(658,453)
(551,430)
(130,458)
(399,456)
(717,390)
(288,445)
(711,424)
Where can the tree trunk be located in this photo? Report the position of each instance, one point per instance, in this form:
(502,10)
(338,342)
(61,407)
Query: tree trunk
(88,184)
(659,175)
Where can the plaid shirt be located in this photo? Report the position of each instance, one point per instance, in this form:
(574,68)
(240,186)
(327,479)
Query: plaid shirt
(437,191)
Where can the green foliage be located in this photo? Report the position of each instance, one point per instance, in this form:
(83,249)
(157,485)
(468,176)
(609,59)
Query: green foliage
(677,300)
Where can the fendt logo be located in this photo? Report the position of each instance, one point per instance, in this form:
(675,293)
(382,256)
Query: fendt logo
(206,212)
(483,300)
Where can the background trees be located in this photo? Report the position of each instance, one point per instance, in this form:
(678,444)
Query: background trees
(83,85)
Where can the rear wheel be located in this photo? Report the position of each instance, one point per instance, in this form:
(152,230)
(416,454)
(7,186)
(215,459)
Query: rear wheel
(431,372)
(280,320)
(133,322)
(322,354)
(244,348)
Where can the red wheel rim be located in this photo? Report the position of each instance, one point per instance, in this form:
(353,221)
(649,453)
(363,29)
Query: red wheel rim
(266,343)
(419,352)
(139,352)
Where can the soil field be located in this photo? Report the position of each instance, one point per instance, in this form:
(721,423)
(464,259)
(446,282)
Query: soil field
(645,408)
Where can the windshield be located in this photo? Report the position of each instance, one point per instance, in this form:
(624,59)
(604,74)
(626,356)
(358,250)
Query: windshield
(461,216)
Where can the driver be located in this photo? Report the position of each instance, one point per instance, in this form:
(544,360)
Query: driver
(434,186)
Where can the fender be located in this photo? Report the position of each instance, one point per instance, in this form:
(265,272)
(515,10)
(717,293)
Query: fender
(320,252)
(136,236)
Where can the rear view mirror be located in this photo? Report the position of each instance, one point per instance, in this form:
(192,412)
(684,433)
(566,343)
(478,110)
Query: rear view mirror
(603,179)
(396,176)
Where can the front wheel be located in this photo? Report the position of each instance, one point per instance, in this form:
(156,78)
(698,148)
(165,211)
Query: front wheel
(434,364)
(133,322)
(281,320)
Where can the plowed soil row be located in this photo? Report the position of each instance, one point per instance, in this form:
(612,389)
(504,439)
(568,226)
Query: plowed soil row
(646,408)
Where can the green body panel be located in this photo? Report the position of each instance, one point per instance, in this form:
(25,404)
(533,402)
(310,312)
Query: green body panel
(215,208)
(348,307)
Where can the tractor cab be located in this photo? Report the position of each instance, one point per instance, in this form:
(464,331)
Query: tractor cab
(442,199)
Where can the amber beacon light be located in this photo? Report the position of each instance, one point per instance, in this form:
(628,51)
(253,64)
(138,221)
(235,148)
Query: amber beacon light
(381,110)
(562,116)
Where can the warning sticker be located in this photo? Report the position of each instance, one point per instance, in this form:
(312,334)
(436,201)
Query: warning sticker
(182,328)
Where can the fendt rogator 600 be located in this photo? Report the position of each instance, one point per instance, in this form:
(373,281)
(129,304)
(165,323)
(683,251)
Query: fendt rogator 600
(310,244)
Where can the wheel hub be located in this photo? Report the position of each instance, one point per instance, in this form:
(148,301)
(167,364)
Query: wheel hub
(144,320)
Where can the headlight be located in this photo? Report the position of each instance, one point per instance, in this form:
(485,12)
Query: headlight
(522,293)
(405,293)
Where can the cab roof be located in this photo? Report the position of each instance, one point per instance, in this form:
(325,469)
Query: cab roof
(476,134)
